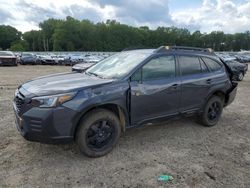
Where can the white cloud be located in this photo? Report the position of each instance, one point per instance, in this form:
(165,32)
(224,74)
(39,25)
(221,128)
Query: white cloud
(27,14)
(222,15)
(226,15)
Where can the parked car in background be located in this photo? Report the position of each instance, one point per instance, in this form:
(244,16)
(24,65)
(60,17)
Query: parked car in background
(18,56)
(28,58)
(226,57)
(46,60)
(60,59)
(93,59)
(8,58)
(243,58)
(239,69)
(81,67)
(76,58)
(126,90)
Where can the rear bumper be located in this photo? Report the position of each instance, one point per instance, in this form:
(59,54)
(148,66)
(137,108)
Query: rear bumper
(28,61)
(48,62)
(46,125)
(231,94)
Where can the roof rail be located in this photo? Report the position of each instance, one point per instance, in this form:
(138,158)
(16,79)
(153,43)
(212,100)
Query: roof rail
(167,48)
(132,48)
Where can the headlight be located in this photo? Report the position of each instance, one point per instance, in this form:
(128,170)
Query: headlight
(53,100)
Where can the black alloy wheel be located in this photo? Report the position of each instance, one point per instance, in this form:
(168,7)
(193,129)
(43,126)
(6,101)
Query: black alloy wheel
(212,111)
(98,132)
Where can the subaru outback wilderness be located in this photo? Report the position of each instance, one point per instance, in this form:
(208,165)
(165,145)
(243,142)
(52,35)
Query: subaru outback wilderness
(125,90)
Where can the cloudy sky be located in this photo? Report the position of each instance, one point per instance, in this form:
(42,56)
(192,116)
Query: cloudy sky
(229,16)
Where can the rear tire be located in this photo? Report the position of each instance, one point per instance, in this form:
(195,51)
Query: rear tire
(240,76)
(98,133)
(212,111)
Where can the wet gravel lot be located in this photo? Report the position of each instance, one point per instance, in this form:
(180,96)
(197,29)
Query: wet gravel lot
(194,155)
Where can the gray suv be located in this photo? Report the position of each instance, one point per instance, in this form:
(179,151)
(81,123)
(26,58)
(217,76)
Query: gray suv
(126,90)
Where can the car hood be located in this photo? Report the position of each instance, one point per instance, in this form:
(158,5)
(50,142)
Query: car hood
(61,83)
(83,65)
(7,57)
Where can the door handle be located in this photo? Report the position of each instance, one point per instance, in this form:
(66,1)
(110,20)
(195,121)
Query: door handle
(175,86)
(209,81)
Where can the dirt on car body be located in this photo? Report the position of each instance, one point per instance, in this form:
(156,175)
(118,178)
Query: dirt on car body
(195,156)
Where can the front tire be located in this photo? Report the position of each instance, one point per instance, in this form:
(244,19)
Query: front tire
(98,133)
(212,111)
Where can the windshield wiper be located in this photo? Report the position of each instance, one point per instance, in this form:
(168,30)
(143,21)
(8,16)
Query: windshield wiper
(92,73)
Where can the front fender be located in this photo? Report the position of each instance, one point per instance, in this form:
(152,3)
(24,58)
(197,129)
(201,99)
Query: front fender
(85,100)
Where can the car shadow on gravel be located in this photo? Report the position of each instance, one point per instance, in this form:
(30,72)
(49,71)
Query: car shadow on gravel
(131,139)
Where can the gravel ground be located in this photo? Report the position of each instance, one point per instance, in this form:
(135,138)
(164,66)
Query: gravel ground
(194,155)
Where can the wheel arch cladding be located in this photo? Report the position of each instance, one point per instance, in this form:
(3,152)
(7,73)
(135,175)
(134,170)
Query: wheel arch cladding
(218,93)
(115,108)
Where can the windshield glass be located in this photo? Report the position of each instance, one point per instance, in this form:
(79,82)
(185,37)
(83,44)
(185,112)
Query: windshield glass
(27,55)
(118,65)
(6,53)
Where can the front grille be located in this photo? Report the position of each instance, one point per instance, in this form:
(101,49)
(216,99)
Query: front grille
(6,60)
(19,100)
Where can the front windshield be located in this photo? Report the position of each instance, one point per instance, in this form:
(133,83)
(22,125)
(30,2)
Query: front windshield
(27,55)
(6,53)
(118,65)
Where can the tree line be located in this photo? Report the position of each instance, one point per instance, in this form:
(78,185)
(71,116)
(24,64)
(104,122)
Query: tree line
(83,35)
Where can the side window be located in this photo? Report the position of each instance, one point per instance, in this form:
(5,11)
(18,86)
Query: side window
(212,65)
(203,66)
(159,68)
(189,65)
(137,76)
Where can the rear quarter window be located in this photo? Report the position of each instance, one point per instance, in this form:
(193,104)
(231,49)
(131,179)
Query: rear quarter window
(212,65)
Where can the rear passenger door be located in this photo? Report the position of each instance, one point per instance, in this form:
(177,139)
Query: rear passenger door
(195,82)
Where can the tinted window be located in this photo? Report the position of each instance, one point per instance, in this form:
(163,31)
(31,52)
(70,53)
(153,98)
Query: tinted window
(203,66)
(136,76)
(158,68)
(189,65)
(213,65)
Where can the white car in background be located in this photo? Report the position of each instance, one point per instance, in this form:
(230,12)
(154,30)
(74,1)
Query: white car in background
(93,59)
(81,67)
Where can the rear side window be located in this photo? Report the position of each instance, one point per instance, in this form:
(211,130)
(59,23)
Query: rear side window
(203,67)
(189,65)
(159,68)
(212,65)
